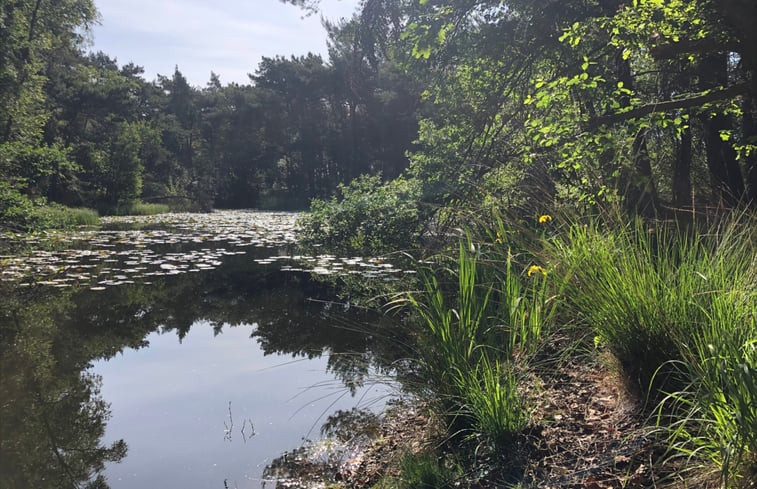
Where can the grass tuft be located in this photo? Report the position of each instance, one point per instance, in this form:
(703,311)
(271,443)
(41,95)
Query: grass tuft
(423,471)
(58,216)
(677,307)
(480,336)
(146,209)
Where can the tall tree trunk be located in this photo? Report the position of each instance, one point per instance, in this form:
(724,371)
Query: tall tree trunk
(645,202)
(641,191)
(682,171)
(749,135)
(740,17)
(725,174)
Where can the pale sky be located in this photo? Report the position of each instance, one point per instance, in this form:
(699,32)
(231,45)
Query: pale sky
(228,37)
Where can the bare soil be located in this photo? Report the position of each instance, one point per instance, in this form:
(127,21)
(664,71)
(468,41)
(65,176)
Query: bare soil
(589,433)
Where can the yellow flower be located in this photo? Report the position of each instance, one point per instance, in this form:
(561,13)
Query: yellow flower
(536,269)
(545,219)
(499,238)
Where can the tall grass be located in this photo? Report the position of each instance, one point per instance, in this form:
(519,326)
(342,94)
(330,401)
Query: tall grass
(720,402)
(479,337)
(677,307)
(58,216)
(144,209)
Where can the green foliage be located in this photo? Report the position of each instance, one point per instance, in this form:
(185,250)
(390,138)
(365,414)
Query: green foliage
(479,345)
(369,218)
(31,167)
(19,213)
(15,208)
(602,101)
(58,216)
(677,307)
(423,470)
(121,172)
(146,209)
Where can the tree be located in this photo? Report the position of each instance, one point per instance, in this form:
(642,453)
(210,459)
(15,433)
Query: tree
(32,30)
(589,96)
(52,418)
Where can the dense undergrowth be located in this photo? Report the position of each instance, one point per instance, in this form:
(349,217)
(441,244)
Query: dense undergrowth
(20,213)
(675,303)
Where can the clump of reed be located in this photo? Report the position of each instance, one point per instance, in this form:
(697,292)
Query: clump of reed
(58,216)
(677,306)
(479,338)
(145,209)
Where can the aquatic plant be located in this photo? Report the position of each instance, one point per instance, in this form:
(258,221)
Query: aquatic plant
(145,209)
(479,342)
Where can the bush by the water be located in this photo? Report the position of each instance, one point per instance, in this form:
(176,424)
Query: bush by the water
(19,213)
(368,218)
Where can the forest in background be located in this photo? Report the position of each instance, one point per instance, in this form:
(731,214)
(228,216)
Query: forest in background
(648,102)
(79,130)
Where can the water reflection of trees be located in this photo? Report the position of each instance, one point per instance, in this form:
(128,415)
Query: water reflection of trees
(52,417)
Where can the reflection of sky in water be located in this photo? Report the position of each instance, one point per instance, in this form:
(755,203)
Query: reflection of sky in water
(170,402)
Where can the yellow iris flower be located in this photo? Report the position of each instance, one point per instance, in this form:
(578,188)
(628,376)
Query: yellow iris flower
(533,269)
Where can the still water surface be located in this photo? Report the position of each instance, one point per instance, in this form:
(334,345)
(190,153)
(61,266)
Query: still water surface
(215,408)
(207,376)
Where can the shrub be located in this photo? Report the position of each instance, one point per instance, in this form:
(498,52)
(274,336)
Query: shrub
(369,218)
(15,208)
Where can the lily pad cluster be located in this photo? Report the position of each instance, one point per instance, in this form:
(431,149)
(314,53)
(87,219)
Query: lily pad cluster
(181,243)
(332,265)
(237,227)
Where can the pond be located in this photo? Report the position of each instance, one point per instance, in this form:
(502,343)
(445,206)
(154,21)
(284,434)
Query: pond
(178,351)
